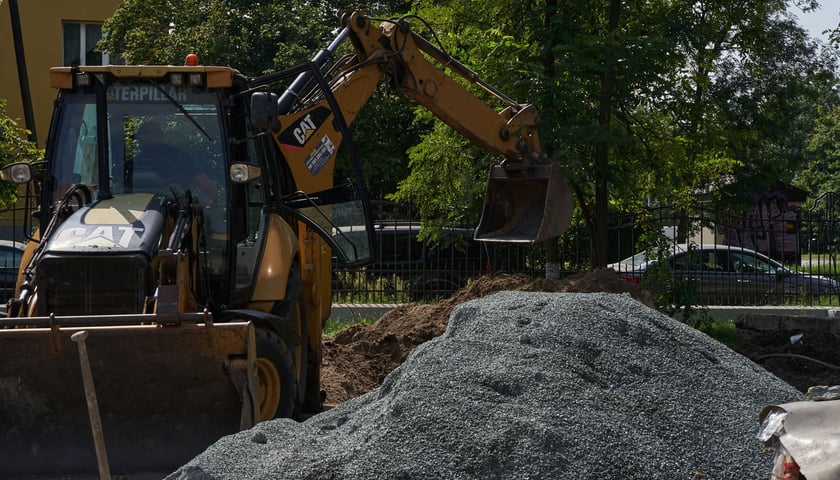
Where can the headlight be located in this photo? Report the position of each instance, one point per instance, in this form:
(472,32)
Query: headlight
(243,172)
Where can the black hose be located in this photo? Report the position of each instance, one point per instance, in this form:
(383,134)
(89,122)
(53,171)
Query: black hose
(801,357)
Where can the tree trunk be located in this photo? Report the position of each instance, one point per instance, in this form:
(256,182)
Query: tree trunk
(552,257)
(602,159)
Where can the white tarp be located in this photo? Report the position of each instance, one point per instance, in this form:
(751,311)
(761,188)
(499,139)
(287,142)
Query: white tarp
(810,432)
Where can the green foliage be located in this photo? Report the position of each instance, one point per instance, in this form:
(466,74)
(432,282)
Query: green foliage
(669,100)
(14,147)
(822,174)
(384,130)
(361,288)
(333,328)
(723,331)
(448,173)
(644,102)
(444,182)
(671,293)
(254,37)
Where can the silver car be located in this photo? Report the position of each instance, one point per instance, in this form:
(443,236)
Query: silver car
(723,275)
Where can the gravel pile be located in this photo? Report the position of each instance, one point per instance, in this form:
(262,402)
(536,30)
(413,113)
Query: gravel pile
(532,385)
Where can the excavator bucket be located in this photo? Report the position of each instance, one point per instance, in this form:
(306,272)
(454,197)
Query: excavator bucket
(525,205)
(164,395)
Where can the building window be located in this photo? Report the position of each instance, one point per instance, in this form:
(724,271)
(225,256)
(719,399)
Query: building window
(80,41)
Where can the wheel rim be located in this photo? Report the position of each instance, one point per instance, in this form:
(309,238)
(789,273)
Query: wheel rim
(269,388)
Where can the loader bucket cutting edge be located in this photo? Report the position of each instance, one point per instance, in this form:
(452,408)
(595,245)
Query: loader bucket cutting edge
(529,205)
(165,394)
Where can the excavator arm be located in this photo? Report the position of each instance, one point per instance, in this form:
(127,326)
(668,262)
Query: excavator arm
(401,54)
(527,198)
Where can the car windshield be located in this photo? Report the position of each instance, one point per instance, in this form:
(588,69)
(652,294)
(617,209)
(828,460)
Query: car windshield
(644,257)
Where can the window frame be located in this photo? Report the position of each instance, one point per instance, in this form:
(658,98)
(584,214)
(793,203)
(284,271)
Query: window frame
(82,41)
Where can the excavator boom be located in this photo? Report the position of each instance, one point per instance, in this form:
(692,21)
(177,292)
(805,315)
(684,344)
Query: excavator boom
(527,198)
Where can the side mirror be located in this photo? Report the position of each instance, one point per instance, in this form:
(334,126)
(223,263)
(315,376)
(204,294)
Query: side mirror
(264,111)
(17,173)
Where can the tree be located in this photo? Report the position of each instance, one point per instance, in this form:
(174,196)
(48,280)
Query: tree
(254,37)
(14,147)
(582,65)
(643,101)
(822,175)
(757,95)
(447,173)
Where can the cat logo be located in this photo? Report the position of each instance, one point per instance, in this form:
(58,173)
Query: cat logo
(296,136)
(304,129)
(105,236)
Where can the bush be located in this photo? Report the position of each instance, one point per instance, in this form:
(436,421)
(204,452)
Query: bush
(14,147)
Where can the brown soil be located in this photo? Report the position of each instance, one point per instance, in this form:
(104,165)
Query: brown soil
(358,359)
(812,360)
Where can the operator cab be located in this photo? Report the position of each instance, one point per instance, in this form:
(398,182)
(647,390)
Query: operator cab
(165,138)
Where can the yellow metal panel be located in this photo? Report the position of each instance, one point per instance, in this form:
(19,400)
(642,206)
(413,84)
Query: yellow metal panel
(126,210)
(316,258)
(220,77)
(60,77)
(216,77)
(279,250)
(352,94)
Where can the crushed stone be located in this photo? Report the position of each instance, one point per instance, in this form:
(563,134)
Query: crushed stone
(531,385)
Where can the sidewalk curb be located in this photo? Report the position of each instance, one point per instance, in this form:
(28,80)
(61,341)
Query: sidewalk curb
(355,312)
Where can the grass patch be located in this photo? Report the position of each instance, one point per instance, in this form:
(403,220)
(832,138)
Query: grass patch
(334,327)
(723,331)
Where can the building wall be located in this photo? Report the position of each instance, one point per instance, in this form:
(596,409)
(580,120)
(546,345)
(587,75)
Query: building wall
(41,29)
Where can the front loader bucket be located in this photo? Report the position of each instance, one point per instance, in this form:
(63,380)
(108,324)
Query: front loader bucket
(164,394)
(525,205)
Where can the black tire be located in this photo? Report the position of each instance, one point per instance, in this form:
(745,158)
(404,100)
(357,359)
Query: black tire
(291,310)
(276,373)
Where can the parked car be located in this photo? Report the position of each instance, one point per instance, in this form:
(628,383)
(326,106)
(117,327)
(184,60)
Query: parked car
(723,275)
(10,255)
(424,271)
(428,271)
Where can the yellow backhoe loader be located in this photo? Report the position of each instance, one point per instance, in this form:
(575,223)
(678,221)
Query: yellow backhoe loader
(184,223)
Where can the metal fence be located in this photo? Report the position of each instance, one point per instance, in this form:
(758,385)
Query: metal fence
(805,240)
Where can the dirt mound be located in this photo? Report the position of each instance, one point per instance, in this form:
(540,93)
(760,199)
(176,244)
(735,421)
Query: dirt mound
(358,359)
(802,359)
